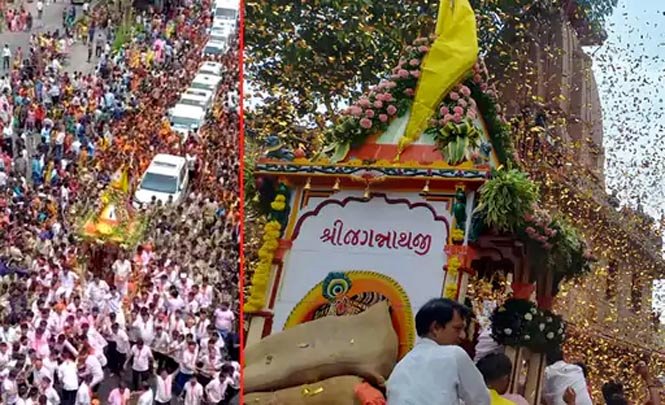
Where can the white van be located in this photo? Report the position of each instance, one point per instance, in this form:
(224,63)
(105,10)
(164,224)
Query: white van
(195,100)
(211,68)
(208,97)
(215,48)
(185,118)
(166,176)
(227,9)
(206,82)
(221,31)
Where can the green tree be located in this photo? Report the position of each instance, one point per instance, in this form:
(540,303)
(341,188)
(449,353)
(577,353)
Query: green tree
(326,51)
(314,55)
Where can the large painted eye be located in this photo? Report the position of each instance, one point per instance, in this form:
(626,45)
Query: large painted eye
(336,285)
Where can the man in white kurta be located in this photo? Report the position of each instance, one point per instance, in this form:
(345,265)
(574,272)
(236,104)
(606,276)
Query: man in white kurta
(559,376)
(216,388)
(437,371)
(122,269)
(147,397)
(193,392)
(84,393)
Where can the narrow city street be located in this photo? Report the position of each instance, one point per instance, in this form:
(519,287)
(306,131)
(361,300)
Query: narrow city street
(51,20)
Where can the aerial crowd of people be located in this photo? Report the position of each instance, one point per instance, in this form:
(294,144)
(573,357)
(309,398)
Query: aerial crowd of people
(161,321)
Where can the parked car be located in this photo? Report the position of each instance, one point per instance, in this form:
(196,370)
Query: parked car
(209,96)
(197,100)
(166,176)
(215,48)
(211,68)
(206,82)
(221,30)
(185,118)
(227,9)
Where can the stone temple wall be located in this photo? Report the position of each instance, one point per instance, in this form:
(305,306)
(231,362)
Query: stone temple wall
(544,70)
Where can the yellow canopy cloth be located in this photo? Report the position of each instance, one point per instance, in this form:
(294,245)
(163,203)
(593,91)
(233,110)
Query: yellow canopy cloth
(451,56)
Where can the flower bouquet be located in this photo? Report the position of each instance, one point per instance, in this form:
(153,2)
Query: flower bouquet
(391,98)
(514,322)
(453,126)
(519,323)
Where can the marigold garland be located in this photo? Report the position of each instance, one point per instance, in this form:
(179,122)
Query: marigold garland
(450,290)
(257,292)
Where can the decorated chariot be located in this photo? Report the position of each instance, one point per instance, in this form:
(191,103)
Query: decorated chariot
(111,226)
(418,195)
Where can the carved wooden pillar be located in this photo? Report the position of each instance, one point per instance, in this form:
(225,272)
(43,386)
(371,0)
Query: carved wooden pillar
(527,375)
(545,290)
(528,368)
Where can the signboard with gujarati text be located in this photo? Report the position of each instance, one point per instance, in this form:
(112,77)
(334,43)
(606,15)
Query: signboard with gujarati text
(348,252)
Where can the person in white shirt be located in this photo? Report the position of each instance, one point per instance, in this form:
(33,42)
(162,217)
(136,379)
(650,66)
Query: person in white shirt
(68,279)
(94,368)
(174,302)
(96,290)
(437,371)
(212,337)
(122,268)
(216,388)
(84,394)
(96,341)
(49,392)
(3,177)
(211,359)
(164,387)
(234,372)
(191,304)
(147,397)
(40,9)
(161,346)
(187,365)
(224,319)
(10,388)
(560,377)
(201,325)
(39,371)
(177,347)
(193,392)
(33,396)
(118,353)
(141,357)
(62,344)
(114,305)
(5,354)
(145,326)
(68,376)
(6,57)
(177,323)
(119,395)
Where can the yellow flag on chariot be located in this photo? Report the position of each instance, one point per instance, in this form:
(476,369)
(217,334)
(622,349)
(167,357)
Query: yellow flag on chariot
(451,56)
(120,180)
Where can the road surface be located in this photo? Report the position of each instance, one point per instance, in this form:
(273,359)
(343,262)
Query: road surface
(51,20)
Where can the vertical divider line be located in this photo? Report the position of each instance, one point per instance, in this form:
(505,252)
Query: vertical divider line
(241,174)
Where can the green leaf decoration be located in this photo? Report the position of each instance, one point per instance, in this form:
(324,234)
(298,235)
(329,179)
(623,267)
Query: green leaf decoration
(340,152)
(507,198)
